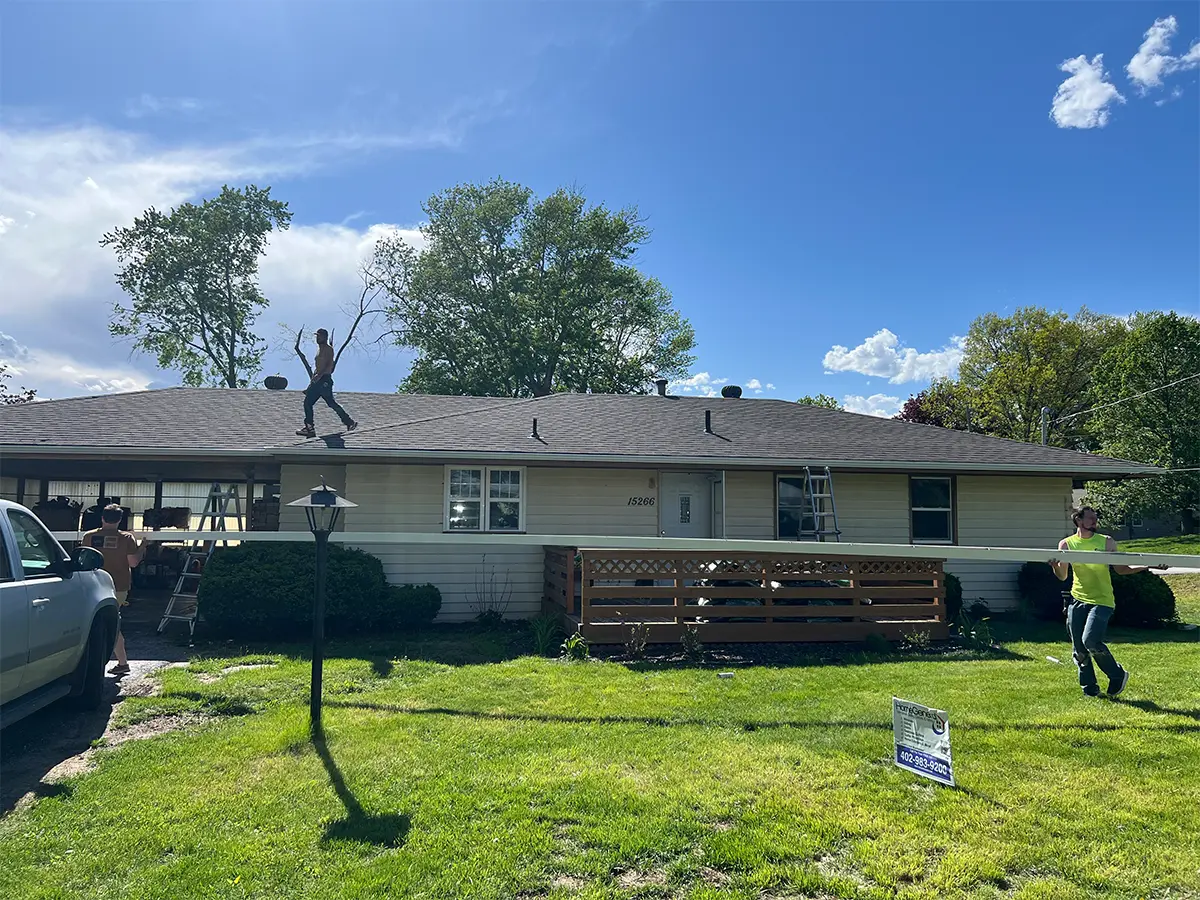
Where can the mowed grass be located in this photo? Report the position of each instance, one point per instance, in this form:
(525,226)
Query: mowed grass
(537,778)
(1175,543)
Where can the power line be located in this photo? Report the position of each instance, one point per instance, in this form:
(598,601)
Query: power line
(1162,387)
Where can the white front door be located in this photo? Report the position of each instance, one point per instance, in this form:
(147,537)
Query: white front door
(686,507)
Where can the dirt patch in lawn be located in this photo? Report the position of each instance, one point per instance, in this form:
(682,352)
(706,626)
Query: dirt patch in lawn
(83,762)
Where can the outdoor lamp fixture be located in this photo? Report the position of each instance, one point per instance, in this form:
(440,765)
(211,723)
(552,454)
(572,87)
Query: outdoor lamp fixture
(323,506)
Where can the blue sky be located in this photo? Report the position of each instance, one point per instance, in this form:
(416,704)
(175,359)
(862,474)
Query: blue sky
(814,174)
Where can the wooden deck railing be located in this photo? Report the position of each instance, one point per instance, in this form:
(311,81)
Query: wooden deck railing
(746,597)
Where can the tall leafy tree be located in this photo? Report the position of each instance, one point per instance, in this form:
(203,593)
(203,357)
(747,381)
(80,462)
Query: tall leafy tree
(822,400)
(192,279)
(517,297)
(1014,366)
(12,398)
(946,404)
(1158,358)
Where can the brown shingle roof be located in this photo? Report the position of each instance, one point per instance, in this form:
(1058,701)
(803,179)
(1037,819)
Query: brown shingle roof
(570,426)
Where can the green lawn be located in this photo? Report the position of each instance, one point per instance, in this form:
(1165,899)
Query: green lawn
(1175,543)
(523,777)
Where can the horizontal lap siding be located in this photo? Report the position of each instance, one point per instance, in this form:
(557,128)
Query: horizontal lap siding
(559,501)
(872,509)
(1006,511)
(749,506)
(591,501)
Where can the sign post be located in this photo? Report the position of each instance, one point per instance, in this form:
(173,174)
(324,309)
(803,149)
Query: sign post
(922,740)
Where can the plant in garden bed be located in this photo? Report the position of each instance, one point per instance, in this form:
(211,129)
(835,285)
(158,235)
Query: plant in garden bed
(492,595)
(693,648)
(636,639)
(546,629)
(575,648)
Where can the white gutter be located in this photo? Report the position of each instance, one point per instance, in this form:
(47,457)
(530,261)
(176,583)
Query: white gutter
(434,457)
(802,549)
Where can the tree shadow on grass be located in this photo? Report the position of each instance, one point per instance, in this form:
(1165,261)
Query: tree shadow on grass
(358,826)
(749,725)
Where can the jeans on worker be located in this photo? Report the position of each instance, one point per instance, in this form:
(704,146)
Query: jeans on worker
(1088,624)
(322,389)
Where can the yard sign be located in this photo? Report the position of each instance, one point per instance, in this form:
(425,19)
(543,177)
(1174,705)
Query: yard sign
(922,737)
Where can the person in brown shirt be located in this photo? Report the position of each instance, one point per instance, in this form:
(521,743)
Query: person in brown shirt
(121,554)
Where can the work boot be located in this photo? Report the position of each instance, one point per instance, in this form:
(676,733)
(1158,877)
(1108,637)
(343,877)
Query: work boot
(351,425)
(1116,685)
(307,431)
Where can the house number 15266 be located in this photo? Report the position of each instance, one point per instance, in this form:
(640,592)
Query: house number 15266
(641,501)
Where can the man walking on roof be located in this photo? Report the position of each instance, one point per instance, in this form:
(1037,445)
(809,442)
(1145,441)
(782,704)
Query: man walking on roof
(321,387)
(1092,604)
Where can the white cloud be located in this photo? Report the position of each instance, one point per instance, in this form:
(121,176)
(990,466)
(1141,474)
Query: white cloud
(1176,93)
(1153,61)
(1082,101)
(150,105)
(754,384)
(701,384)
(64,187)
(879,405)
(881,356)
(55,374)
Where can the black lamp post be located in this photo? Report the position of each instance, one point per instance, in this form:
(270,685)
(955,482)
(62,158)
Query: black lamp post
(323,506)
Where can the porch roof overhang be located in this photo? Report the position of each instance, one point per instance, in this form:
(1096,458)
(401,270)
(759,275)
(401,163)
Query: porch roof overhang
(269,457)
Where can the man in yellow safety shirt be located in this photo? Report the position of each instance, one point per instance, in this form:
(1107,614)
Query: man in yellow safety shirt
(1092,604)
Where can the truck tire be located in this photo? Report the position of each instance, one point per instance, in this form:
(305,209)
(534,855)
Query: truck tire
(89,676)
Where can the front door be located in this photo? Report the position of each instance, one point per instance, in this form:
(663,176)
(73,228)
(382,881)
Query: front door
(686,507)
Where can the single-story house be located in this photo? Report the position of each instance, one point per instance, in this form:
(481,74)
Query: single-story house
(566,464)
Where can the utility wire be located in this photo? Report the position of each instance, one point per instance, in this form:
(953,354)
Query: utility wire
(1162,387)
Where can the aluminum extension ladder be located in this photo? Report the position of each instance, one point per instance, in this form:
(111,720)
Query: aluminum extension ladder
(184,605)
(817,506)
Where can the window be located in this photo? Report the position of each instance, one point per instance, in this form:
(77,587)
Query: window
(485,499)
(794,515)
(39,551)
(932,504)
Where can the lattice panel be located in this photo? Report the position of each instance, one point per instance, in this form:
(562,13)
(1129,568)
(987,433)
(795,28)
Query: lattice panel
(898,567)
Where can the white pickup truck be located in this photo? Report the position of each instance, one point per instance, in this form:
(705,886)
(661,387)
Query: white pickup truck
(58,618)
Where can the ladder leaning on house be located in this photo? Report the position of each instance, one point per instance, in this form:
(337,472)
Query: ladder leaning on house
(184,605)
(817,506)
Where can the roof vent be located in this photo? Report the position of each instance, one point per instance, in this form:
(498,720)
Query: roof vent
(731,392)
(534,433)
(275,383)
(661,384)
(708,421)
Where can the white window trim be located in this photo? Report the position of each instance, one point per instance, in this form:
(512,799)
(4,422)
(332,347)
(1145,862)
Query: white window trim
(484,499)
(942,509)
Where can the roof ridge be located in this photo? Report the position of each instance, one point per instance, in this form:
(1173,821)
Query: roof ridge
(513,401)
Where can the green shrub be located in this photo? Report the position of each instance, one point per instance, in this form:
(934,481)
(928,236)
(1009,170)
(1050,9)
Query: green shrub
(1042,591)
(693,647)
(1143,600)
(412,605)
(953,597)
(265,590)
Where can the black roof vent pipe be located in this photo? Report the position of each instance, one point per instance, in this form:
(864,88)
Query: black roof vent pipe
(708,421)
(534,433)
(661,384)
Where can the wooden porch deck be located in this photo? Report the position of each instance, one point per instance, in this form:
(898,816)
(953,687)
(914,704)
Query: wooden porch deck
(809,595)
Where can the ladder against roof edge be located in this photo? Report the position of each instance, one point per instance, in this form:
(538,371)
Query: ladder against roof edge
(184,605)
(817,506)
